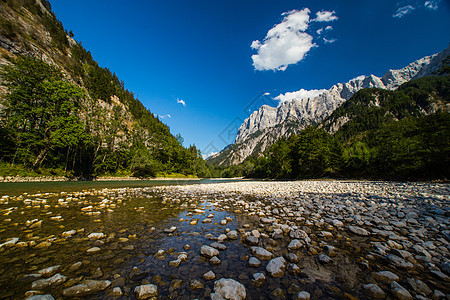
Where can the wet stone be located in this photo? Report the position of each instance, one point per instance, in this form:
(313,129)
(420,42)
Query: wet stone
(385,276)
(399,262)
(146,291)
(175,284)
(51,281)
(252,240)
(295,244)
(254,262)
(47,272)
(325,259)
(196,284)
(93,250)
(214,261)
(233,235)
(303,295)
(400,292)
(208,251)
(374,291)
(87,287)
(137,274)
(419,286)
(259,277)
(116,292)
(74,267)
(291,257)
(227,288)
(261,253)
(209,275)
(293,269)
(41,297)
(276,267)
(358,230)
(219,246)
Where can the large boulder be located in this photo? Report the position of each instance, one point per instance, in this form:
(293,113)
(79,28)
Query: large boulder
(146,291)
(226,288)
(276,267)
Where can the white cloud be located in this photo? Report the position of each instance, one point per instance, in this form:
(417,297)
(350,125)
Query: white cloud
(325,16)
(432,4)
(165,116)
(288,42)
(298,95)
(285,44)
(266,94)
(205,156)
(329,27)
(403,11)
(329,41)
(180,101)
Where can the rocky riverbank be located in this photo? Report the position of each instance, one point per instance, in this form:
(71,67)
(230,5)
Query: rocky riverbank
(236,240)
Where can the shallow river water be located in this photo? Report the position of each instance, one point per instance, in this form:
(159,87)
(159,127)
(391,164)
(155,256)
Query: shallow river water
(131,234)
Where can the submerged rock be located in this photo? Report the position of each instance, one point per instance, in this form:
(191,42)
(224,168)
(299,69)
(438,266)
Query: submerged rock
(208,251)
(146,291)
(41,297)
(44,283)
(261,253)
(87,287)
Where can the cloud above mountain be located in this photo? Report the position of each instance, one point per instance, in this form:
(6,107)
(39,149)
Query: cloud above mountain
(299,95)
(287,42)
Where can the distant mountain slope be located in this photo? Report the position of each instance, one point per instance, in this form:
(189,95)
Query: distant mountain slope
(268,124)
(400,134)
(123,134)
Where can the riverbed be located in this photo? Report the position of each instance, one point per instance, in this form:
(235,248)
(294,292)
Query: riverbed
(276,240)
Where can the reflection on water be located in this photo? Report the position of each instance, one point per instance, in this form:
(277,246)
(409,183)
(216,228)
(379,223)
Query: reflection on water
(14,188)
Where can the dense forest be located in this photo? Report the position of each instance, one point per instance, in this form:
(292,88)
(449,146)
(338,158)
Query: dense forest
(399,135)
(72,117)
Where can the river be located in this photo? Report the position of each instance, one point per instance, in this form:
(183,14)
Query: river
(56,236)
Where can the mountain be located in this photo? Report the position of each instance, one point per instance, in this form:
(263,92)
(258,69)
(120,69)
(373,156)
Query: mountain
(402,134)
(61,111)
(266,125)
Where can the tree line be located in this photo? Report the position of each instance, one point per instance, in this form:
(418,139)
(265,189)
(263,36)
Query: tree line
(396,135)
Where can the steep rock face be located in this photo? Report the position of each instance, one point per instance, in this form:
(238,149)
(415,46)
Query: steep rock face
(266,125)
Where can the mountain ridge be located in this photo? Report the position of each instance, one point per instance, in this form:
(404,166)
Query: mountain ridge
(290,117)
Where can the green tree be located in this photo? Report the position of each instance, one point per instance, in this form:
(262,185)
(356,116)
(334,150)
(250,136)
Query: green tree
(41,110)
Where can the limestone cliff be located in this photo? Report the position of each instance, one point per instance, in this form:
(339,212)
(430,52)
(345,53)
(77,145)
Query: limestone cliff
(266,125)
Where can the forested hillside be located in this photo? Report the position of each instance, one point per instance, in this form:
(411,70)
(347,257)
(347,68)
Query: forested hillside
(63,114)
(377,134)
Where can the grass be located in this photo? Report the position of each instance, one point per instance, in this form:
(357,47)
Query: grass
(175,175)
(7,169)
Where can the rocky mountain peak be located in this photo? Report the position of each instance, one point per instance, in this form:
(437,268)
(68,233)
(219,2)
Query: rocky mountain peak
(302,108)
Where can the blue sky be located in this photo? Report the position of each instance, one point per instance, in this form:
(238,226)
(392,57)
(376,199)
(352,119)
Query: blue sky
(203,66)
